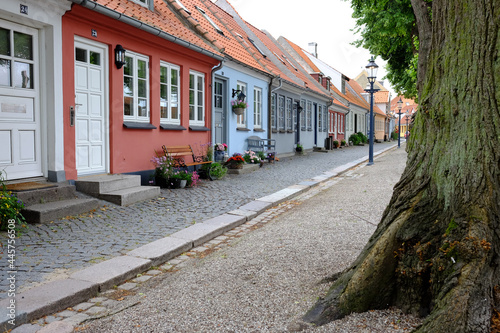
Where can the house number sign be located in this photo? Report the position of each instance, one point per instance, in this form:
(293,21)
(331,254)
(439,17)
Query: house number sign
(23,9)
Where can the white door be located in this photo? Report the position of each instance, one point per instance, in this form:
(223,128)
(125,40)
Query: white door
(20,147)
(90,108)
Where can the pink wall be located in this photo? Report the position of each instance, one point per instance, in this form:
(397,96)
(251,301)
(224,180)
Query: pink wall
(131,149)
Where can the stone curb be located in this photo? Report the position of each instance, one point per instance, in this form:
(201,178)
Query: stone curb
(82,285)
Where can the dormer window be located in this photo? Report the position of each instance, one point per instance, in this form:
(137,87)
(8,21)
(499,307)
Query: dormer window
(145,3)
(258,48)
(277,56)
(181,5)
(320,79)
(289,62)
(210,20)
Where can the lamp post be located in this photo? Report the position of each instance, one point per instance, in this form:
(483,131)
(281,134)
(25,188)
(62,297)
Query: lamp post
(372,76)
(407,115)
(400,106)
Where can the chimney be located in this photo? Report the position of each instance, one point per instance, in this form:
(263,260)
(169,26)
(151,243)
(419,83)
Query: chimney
(313,49)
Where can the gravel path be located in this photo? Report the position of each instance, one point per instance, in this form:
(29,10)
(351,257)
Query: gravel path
(266,280)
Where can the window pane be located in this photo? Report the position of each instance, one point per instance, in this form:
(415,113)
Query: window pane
(174,77)
(191,97)
(128,86)
(200,98)
(200,83)
(128,106)
(142,110)
(200,113)
(163,110)
(163,92)
(81,55)
(129,66)
(4,42)
(23,75)
(141,85)
(163,74)
(141,69)
(191,112)
(4,72)
(191,81)
(23,46)
(95,58)
(175,112)
(174,95)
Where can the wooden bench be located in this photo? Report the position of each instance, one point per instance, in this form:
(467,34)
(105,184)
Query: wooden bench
(177,154)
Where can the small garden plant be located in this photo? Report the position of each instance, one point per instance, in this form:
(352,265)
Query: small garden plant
(10,208)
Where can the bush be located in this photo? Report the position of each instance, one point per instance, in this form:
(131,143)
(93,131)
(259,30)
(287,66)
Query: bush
(354,138)
(10,207)
(362,138)
(336,144)
(217,171)
(394,135)
(343,143)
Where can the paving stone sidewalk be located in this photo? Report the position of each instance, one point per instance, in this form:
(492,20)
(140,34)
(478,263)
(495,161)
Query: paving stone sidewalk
(55,250)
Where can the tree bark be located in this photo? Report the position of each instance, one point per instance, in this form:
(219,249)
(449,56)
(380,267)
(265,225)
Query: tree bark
(436,250)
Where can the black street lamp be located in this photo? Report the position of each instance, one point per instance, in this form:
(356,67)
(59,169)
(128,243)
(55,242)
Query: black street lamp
(372,76)
(407,116)
(400,106)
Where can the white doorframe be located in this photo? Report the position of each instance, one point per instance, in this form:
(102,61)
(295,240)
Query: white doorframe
(86,43)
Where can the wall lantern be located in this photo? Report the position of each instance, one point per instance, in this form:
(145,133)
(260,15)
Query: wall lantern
(119,56)
(241,96)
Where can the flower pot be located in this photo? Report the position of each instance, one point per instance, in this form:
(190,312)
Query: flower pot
(238,111)
(218,156)
(183,183)
(174,183)
(235,166)
(160,181)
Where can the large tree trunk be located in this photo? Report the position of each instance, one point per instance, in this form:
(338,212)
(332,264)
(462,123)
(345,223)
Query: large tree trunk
(436,251)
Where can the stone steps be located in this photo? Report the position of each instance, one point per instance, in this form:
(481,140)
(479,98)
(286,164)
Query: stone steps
(48,204)
(119,189)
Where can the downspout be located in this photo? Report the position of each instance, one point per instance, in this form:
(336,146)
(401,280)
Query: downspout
(212,114)
(330,103)
(143,26)
(269,106)
(345,118)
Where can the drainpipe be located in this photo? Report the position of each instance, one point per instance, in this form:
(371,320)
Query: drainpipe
(212,114)
(269,106)
(345,117)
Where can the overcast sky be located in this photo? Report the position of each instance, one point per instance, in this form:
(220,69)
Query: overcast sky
(326,22)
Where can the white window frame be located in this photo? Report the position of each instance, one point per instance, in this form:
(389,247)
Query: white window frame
(320,118)
(257,107)
(241,120)
(135,93)
(274,103)
(289,112)
(309,116)
(194,107)
(281,112)
(325,118)
(303,122)
(169,102)
(144,3)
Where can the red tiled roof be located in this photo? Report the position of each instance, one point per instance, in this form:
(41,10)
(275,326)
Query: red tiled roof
(381,97)
(409,105)
(359,90)
(161,18)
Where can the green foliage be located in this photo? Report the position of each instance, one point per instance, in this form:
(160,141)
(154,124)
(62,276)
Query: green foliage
(388,29)
(362,138)
(217,171)
(261,155)
(354,138)
(394,135)
(343,143)
(10,206)
(336,144)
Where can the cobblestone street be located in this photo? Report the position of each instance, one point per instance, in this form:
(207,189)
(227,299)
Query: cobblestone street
(49,251)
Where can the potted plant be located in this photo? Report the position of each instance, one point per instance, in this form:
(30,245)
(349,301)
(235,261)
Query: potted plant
(239,106)
(219,150)
(163,169)
(299,148)
(335,144)
(251,157)
(235,162)
(179,179)
(343,143)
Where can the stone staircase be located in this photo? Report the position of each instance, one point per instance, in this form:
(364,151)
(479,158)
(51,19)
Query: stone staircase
(119,189)
(48,204)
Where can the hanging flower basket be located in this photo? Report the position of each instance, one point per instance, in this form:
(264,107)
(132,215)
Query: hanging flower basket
(238,111)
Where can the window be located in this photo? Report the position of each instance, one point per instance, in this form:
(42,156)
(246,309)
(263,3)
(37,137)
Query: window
(169,93)
(241,120)
(309,115)
(294,111)
(257,47)
(325,118)
(281,111)
(142,2)
(182,6)
(196,98)
(257,107)
(320,118)
(277,56)
(136,87)
(273,111)
(287,60)
(289,111)
(341,125)
(212,23)
(303,124)
(16,59)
